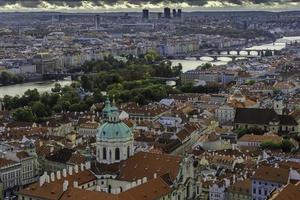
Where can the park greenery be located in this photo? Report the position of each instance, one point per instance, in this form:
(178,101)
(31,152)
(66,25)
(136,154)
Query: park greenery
(204,66)
(7,78)
(243,131)
(128,79)
(285,145)
(35,106)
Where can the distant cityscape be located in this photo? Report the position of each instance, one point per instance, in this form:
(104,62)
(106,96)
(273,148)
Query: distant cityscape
(169,105)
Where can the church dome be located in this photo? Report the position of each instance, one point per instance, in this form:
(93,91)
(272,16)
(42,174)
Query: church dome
(113,128)
(113,131)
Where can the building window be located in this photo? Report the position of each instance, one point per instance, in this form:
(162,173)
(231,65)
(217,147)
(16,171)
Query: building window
(117,154)
(128,152)
(104,153)
(254,190)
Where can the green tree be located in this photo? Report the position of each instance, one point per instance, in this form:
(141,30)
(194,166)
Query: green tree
(31,95)
(24,115)
(40,110)
(151,56)
(286,145)
(57,88)
(5,78)
(57,108)
(205,66)
(65,105)
(86,83)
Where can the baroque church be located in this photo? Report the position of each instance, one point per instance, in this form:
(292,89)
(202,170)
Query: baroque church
(119,172)
(114,138)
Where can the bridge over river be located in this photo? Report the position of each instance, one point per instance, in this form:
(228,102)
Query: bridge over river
(234,54)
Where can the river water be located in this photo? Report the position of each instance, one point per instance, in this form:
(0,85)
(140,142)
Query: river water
(19,89)
(192,63)
(189,64)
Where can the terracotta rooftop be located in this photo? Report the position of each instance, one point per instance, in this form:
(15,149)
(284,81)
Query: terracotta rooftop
(145,164)
(241,187)
(5,162)
(261,138)
(277,175)
(151,190)
(289,192)
(50,191)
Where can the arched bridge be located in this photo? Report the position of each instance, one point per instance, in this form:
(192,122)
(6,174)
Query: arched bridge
(234,54)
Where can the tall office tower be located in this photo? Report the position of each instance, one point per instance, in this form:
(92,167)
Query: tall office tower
(97,22)
(179,13)
(145,14)
(167,13)
(174,13)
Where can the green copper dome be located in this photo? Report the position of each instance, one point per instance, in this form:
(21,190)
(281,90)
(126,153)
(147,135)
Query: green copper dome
(110,130)
(113,128)
(107,107)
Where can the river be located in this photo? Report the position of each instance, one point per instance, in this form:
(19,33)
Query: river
(19,89)
(190,64)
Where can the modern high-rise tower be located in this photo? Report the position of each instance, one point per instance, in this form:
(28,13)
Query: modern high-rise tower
(145,14)
(167,13)
(179,11)
(97,22)
(174,13)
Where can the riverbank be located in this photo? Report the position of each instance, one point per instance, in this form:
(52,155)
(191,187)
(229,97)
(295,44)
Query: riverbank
(42,86)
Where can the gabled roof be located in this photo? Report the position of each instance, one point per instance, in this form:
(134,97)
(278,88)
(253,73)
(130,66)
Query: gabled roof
(241,187)
(145,164)
(287,120)
(151,190)
(255,116)
(261,138)
(277,175)
(61,156)
(289,192)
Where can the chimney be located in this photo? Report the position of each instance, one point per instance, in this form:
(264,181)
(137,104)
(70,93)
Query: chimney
(64,173)
(144,180)
(75,184)
(82,167)
(70,170)
(76,169)
(65,185)
(58,175)
(139,181)
(88,165)
(47,178)
(42,180)
(52,177)
(98,188)
(133,184)
(233,178)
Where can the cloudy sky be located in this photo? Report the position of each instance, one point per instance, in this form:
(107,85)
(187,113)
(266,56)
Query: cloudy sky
(134,5)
